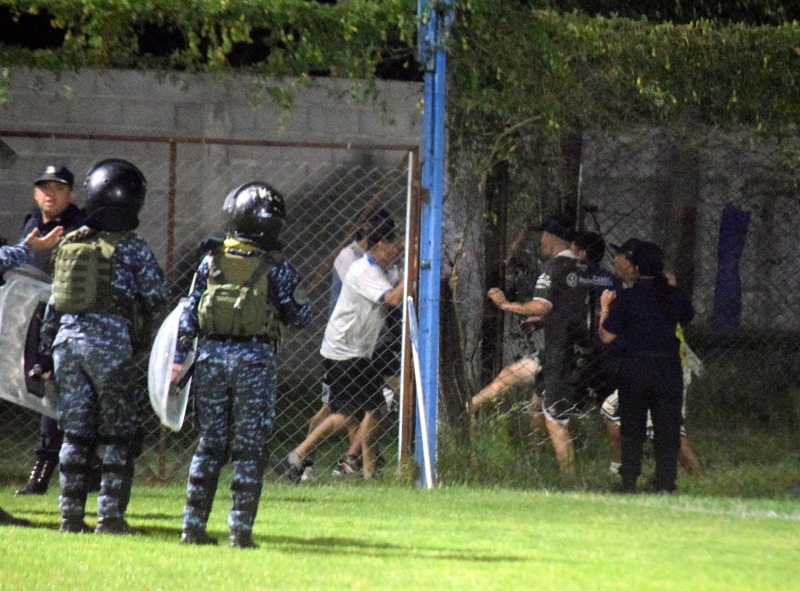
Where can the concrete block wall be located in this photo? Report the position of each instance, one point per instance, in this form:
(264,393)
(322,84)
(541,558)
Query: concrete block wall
(134,103)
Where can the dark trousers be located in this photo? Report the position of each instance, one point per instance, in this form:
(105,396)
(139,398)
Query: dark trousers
(51,439)
(652,384)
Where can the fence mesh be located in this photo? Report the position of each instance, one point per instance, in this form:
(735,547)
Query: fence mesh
(722,205)
(327,190)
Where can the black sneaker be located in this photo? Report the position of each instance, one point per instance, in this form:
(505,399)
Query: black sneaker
(197,537)
(74,525)
(347,466)
(288,472)
(242,539)
(115,526)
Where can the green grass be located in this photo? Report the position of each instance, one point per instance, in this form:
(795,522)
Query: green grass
(363,535)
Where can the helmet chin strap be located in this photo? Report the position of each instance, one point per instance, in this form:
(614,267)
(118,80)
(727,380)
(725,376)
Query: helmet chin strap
(264,243)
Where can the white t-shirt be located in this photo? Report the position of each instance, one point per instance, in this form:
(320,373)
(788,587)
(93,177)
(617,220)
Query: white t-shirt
(346,257)
(356,321)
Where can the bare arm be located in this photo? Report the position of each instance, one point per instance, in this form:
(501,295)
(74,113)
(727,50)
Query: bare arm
(605,306)
(532,308)
(394,297)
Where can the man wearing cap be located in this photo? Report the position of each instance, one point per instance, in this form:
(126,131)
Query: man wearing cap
(53,193)
(560,300)
(642,320)
(355,380)
(589,248)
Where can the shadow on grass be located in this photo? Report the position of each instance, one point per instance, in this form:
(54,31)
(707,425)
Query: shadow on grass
(333,545)
(355,546)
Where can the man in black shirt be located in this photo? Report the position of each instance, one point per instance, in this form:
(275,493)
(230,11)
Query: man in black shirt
(563,292)
(53,193)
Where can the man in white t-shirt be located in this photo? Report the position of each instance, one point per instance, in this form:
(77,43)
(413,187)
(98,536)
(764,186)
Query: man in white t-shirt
(356,399)
(346,257)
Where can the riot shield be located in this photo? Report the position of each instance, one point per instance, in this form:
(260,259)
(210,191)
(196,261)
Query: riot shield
(169,399)
(22,300)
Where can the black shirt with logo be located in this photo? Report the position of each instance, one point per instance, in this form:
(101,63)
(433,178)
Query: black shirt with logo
(572,287)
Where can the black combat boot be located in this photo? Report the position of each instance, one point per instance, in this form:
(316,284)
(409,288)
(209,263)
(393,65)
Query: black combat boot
(115,526)
(74,525)
(197,537)
(40,478)
(241,539)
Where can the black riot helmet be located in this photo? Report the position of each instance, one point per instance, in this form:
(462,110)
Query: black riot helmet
(115,191)
(256,213)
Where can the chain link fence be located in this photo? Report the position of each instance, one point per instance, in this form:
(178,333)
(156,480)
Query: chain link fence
(724,206)
(328,189)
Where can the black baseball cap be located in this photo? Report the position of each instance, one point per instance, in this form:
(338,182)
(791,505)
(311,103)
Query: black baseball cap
(626,248)
(592,243)
(647,256)
(57,174)
(559,225)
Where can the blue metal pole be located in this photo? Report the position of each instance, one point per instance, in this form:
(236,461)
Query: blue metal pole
(432,54)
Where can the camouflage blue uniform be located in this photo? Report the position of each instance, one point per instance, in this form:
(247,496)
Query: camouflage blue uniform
(12,257)
(234,388)
(99,403)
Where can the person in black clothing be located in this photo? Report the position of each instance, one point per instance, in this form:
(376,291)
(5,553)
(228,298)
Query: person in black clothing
(642,321)
(559,305)
(53,193)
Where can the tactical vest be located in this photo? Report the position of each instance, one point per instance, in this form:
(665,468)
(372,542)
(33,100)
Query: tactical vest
(236,301)
(82,275)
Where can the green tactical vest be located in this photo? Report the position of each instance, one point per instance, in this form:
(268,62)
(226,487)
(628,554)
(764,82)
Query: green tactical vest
(236,301)
(82,275)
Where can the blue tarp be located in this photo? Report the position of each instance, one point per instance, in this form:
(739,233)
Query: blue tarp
(727,314)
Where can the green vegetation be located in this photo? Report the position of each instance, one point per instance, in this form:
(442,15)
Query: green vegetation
(518,71)
(275,37)
(379,536)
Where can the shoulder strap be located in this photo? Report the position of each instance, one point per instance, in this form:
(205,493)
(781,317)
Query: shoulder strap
(260,269)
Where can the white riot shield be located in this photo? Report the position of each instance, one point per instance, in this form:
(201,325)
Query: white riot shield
(167,399)
(22,300)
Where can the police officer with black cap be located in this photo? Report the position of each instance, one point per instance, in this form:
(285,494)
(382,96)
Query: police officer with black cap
(642,322)
(53,193)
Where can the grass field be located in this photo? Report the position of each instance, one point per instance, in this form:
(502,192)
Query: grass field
(372,535)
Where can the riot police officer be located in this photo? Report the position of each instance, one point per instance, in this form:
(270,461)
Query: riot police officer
(104,272)
(245,291)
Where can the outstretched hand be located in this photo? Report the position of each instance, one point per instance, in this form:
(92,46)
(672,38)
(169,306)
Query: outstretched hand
(49,240)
